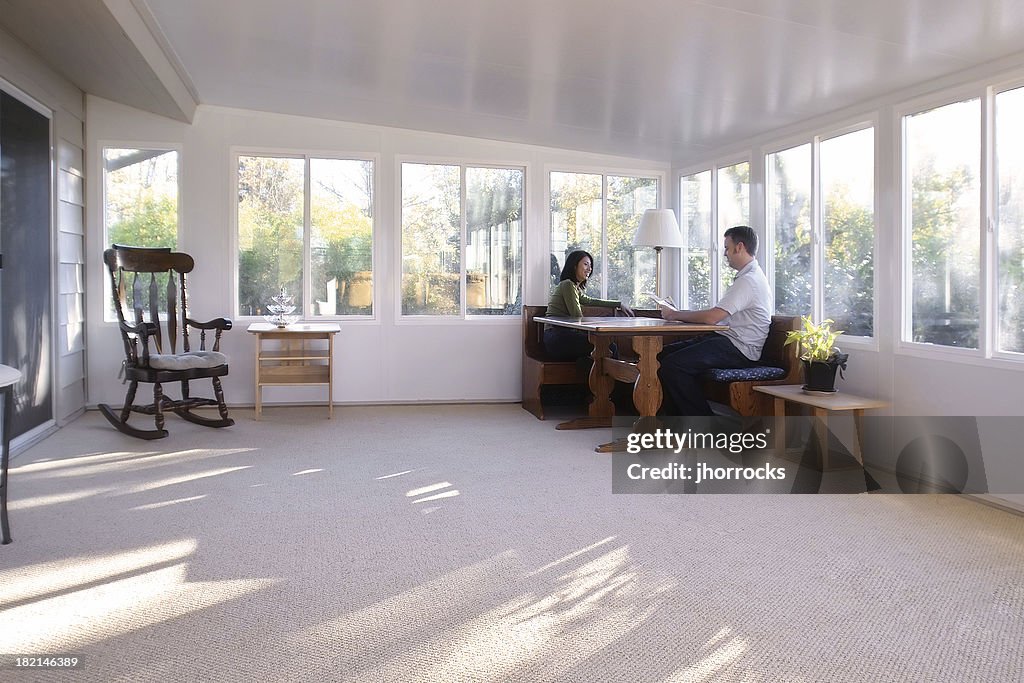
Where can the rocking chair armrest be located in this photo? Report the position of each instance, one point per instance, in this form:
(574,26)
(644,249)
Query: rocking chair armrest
(143,329)
(215,324)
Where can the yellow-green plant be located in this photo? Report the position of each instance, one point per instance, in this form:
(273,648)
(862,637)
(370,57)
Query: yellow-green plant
(817,342)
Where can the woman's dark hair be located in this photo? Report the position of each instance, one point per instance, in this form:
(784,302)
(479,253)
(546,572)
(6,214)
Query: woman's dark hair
(571,261)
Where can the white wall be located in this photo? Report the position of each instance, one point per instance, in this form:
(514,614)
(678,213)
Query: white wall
(384,360)
(22,69)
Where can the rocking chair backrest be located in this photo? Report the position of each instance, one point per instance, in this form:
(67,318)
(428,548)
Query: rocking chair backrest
(138,275)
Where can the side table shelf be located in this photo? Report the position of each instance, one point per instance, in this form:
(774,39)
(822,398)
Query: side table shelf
(298,359)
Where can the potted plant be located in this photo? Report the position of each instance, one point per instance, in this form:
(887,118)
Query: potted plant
(821,357)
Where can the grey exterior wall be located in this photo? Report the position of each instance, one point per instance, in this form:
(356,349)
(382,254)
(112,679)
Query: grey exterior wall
(22,69)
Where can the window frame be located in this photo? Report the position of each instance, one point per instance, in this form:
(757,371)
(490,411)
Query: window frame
(463,317)
(990,222)
(604,172)
(851,125)
(236,151)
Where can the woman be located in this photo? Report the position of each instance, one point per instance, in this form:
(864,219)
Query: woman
(568,301)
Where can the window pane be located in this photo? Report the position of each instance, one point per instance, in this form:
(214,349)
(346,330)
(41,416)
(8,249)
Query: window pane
(943,148)
(695,222)
(140,203)
(1010,207)
(847,165)
(630,269)
(140,193)
(431,220)
(494,241)
(576,223)
(733,209)
(271,204)
(341,236)
(789,221)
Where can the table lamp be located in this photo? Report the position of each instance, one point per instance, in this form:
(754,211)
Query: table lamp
(659,229)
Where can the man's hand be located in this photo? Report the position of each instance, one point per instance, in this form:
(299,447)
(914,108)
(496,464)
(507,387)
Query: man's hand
(667,312)
(627,310)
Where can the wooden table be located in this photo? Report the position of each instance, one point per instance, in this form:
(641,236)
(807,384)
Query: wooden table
(296,362)
(8,378)
(648,337)
(821,406)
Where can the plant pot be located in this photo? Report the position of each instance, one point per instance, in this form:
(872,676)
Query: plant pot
(821,375)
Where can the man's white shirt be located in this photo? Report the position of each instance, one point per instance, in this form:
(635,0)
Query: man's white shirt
(749,303)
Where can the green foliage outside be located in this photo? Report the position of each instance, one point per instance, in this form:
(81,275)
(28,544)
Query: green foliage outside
(945,257)
(270,218)
(153,222)
(849,261)
(576,215)
(431,262)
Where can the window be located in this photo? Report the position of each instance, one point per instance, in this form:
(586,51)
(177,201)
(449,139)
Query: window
(140,197)
(582,218)
(451,271)
(733,209)
(717,197)
(140,202)
(788,212)
(942,160)
(305,225)
(820,214)
(1009,204)
(695,222)
(847,171)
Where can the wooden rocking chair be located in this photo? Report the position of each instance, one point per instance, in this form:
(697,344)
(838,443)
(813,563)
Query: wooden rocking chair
(129,267)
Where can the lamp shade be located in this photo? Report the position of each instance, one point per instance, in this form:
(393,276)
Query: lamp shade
(658,228)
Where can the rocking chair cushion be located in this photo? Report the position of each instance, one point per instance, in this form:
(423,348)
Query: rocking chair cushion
(187,361)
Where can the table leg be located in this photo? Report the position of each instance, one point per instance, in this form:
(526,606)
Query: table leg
(600,383)
(8,396)
(647,393)
(780,427)
(858,435)
(259,389)
(821,433)
(330,376)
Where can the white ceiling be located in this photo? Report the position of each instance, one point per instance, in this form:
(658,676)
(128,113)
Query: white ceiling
(661,79)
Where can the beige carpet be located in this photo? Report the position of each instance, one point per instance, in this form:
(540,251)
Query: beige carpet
(475,543)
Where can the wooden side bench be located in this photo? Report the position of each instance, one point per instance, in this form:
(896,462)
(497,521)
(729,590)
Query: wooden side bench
(538,367)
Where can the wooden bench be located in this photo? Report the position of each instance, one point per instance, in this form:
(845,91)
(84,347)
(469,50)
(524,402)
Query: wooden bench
(539,369)
(722,387)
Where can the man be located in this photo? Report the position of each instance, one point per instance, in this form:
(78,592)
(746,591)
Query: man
(746,308)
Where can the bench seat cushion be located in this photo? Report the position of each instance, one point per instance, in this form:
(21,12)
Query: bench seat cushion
(760,373)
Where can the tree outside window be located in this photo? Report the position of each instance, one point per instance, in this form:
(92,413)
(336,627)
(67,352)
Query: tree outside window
(273,223)
(437,258)
(943,156)
(582,218)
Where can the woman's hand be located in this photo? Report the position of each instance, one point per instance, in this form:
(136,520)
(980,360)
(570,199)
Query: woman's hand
(627,310)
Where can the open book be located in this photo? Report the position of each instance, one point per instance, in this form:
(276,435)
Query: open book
(661,301)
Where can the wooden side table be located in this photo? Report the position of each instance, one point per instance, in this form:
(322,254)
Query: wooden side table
(820,406)
(298,361)
(8,378)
